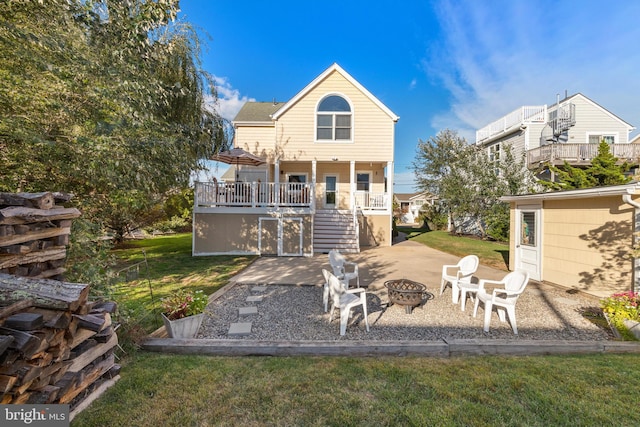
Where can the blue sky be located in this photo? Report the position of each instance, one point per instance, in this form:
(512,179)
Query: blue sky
(436,64)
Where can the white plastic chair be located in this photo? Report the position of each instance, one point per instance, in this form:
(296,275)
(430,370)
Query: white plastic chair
(467,287)
(458,273)
(513,285)
(339,265)
(325,289)
(345,300)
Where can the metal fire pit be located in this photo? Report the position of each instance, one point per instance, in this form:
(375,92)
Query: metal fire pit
(405,292)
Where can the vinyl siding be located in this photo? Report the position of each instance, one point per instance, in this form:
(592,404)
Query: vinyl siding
(516,139)
(372,128)
(586,243)
(259,140)
(592,119)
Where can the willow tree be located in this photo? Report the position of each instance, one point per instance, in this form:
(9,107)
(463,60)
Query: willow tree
(105,100)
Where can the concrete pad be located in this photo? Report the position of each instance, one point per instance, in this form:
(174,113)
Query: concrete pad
(258,289)
(407,259)
(240,329)
(247,311)
(255,298)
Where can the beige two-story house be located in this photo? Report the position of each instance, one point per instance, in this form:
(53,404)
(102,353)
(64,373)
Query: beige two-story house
(326,182)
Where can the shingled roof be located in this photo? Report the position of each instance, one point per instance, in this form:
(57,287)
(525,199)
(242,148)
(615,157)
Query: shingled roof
(257,111)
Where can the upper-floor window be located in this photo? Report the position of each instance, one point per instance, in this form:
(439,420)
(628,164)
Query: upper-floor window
(596,138)
(494,157)
(334,119)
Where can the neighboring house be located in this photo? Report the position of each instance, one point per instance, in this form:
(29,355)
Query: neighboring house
(579,239)
(411,205)
(571,130)
(327,182)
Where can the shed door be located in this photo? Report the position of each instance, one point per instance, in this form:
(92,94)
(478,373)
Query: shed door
(280,236)
(268,236)
(529,240)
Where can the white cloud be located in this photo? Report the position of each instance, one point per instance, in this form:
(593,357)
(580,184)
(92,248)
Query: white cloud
(229,99)
(494,57)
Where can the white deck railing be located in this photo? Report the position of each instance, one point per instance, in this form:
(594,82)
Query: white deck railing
(271,194)
(523,115)
(580,153)
(366,200)
(253,194)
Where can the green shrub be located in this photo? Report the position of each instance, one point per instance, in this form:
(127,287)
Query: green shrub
(620,307)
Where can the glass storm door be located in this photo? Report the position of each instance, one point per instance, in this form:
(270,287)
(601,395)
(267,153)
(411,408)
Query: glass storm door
(330,191)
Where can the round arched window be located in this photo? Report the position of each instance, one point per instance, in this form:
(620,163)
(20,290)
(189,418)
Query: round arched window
(333,119)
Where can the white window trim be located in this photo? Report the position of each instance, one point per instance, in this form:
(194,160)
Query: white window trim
(305,174)
(615,135)
(368,172)
(315,120)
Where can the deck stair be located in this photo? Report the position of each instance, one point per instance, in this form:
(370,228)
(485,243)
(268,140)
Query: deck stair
(334,229)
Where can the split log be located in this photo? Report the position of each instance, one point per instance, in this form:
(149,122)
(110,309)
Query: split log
(84,359)
(24,321)
(19,215)
(93,322)
(104,306)
(6,383)
(15,307)
(29,258)
(30,200)
(93,372)
(53,318)
(43,293)
(25,343)
(104,335)
(31,235)
(5,342)
(44,395)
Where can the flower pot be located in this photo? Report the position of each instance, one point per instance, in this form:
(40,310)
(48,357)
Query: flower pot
(187,327)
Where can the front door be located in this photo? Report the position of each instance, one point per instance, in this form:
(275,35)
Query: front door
(529,240)
(330,191)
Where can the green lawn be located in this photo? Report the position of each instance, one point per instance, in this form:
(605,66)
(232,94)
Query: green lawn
(170,267)
(166,390)
(493,254)
(171,390)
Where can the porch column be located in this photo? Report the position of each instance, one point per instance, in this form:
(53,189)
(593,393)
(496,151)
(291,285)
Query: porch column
(313,184)
(352,184)
(276,181)
(390,191)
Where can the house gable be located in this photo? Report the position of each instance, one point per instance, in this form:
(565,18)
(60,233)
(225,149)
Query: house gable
(333,68)
(371,128)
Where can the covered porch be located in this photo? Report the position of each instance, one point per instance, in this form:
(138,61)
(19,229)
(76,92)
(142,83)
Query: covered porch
(354,186)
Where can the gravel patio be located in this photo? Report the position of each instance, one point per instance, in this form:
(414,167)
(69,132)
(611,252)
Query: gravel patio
(290,319)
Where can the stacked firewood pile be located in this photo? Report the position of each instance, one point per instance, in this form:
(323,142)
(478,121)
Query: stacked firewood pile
(34,234)
(55,345)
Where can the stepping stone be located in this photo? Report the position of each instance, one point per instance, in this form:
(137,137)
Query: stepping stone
(247,311)
(258,289)
(240,329)
(255,298)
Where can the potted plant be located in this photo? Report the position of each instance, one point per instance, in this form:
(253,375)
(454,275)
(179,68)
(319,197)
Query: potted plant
(183,312)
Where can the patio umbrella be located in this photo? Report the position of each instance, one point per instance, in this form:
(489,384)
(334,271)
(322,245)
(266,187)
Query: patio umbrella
(238,156)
